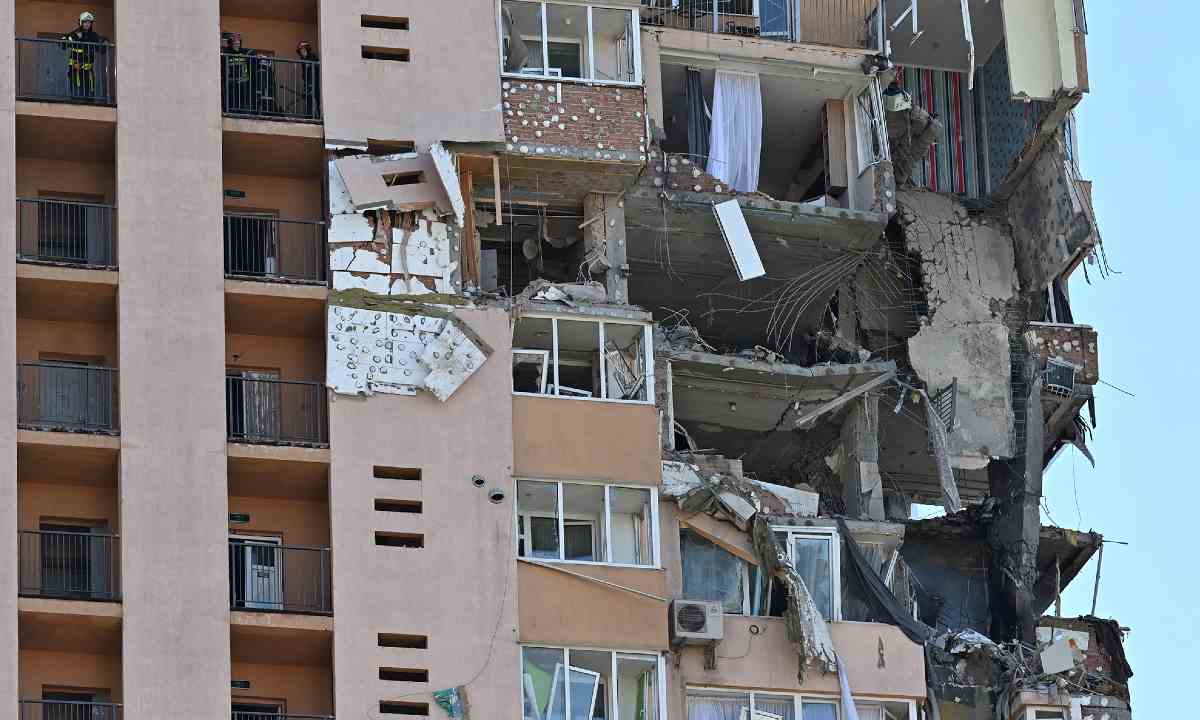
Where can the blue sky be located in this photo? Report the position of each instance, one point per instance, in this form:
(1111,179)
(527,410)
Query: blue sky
(1136,142)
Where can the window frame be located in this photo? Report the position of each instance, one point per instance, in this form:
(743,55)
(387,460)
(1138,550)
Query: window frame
(563,518)
(552,378)
(798,699)
(832,535)
(615,655)
(589,58)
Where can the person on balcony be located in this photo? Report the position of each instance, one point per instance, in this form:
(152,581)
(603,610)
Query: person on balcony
(84,45)
(310,75)
(236,75)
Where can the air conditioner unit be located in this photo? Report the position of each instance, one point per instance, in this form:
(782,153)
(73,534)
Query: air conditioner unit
(697,621)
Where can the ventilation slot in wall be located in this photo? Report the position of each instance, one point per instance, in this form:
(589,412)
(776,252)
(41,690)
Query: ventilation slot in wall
(400,640)
(374,52)
(384,472)
(390,147)
(400,540)
(403,675)
(397,506)
(383,22)
(415,177)
(397,707)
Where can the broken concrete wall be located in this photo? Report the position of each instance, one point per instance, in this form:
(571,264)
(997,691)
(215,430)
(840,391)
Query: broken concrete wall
(1051,219)
(969,276)
(576,121)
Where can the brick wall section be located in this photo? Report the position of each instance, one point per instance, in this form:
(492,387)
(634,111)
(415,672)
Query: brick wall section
(575,120)
(676,171)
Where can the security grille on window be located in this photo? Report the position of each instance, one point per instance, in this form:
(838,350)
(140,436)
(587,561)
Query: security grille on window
(579,42)
(580,358)
(581,522)
(559,683)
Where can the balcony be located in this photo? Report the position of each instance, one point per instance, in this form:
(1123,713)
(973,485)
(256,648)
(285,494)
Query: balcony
(266,575)
(66,232)
(67,396)
(264,247)
(53,70)
(67,710)
(854,24)
(267,87)
(74,563)
(266,410)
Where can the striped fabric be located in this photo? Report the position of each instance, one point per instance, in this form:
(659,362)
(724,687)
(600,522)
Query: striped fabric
(952,164)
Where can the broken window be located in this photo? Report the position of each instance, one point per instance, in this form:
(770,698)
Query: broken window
(711,573)
(718,704)
(577,42)
(597,523)
(563,357)
(870,131)
(814,553)
(566,684)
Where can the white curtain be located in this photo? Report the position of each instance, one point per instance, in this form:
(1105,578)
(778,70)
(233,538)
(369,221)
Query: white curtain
(717,707)
(735,143)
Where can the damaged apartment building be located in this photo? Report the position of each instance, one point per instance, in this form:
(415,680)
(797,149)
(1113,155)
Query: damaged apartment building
(582,361)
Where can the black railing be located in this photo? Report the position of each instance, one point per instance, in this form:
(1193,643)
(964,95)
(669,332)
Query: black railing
(66,71)
(264,86)
(267,248)
(66,231)
(266,410)
(67,710)
(80,565)
(824,22)
(66,396)
(281,578)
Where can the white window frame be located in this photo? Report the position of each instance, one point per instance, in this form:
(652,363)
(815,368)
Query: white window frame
(614,655)
(835,557)
(524,516)
(798,699)
(636,38)
(552,379)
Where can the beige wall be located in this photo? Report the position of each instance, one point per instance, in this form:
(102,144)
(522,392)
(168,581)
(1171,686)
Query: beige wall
(38,175)
(38,337)
(37,17)
(459,589)
(561,609)
(769,662)
(295,521)
(450,89)
(558,438)
(172,335)
(294,358)
(292,198)
(303,689)
(8,367)
(76,502)
(277,35)
(46,668)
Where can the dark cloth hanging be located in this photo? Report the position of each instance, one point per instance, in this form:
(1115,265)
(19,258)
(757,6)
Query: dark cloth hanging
(699,124)
(877,594)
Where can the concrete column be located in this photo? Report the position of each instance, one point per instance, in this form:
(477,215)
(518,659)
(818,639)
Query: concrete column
(175,653)
(861,483)
(8,369)
(604,242)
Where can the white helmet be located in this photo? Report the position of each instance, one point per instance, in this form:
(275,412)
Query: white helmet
(86,16)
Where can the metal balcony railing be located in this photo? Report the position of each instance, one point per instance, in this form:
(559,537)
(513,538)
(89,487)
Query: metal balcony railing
(266,410)
(66,71)
(67,396)
(267,248)
(66,231)
(67,710)
(840,23)
(268,87)
(79,565)
(283,578)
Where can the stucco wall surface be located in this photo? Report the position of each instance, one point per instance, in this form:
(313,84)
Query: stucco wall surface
(8,366)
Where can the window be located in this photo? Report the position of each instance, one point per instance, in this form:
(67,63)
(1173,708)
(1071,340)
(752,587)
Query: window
(579,42)
(719,704)
(815,553)
(563,683)
(870,130)
(711,573)
(597,523)
(578,358)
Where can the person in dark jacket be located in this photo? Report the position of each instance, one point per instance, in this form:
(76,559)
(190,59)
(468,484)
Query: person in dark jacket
(310,81)
(236,73)
(84,47)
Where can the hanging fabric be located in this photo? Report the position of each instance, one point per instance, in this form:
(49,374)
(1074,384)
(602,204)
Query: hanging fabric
(698,121)
(735,144)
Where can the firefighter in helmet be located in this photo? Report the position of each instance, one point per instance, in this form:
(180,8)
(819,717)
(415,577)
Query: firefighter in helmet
(84,47)
(236,75)
(310,73)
